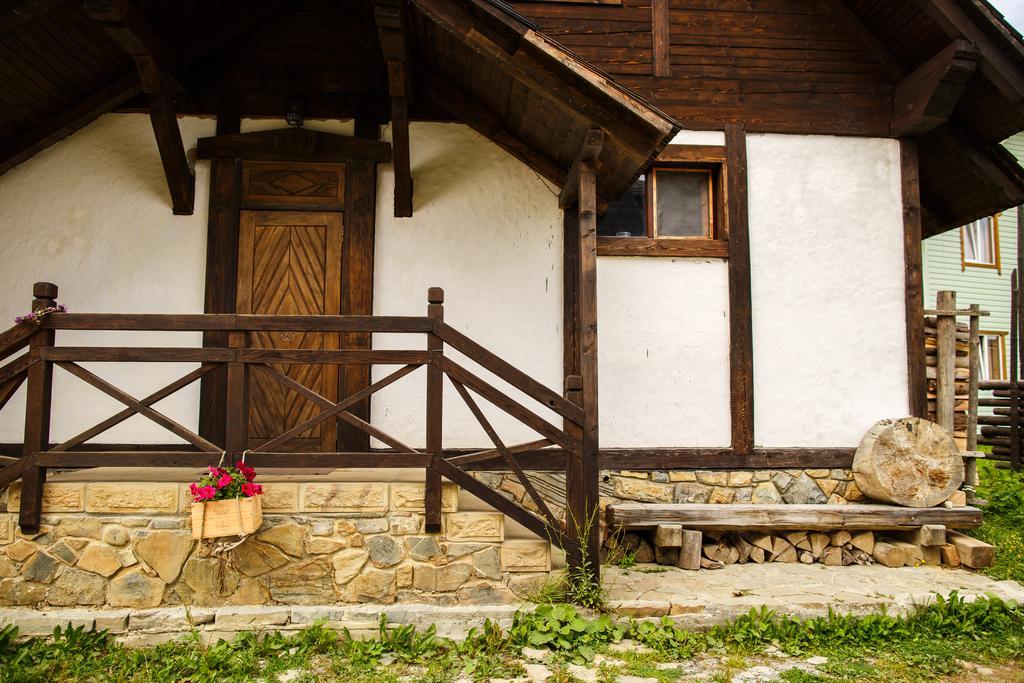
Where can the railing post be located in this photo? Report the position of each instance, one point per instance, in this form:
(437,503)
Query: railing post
(945,370)
(575,500)
(236,433)
(974,365)
(39,384)
(435,418)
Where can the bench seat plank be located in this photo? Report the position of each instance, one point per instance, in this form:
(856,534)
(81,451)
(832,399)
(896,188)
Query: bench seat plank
(742,517)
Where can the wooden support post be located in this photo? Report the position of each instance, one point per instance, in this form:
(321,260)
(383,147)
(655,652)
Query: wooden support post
(392,21)
(661,43)
(741,344)
(974,364)
(581,478)
(181,181)
(237,433)
(1014,369)
(945,389)
(435,417)
(917,383)
(37,414)
(221,276)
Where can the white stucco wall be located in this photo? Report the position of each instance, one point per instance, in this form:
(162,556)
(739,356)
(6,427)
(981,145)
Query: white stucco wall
(826,258)
(92,214)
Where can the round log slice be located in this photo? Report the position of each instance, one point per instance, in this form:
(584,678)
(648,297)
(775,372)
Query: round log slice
(909,461)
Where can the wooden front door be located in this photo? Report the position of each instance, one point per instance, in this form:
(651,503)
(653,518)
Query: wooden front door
(289,263)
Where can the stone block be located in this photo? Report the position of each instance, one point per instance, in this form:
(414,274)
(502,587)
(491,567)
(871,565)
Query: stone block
(765,493)
(129,497)
(99,559)
(406,524)
(320,545)
(41,568)
(57,497)
(642,490)
(443,579)
(347,564)
(713,478)
(475,526)
(280,497)
(411,498)
(487,563)
(209,578)
(303,583)
(112,620)
(254,557)
(682,476)
(804,490)
(691,492)
(762,475)
(43,623)
(64,552)
(245,618)
(384,551)
(366,498)
(286,537)
(165,552)
(7,568)
(722,495)
(21,550)
(18,592)
(456,550)
(6,529)
(170,619)
(818,474)
(373,585)
(135,589)
(249,593)
(78,526)
(423,548)
(525,556)
(741,478)
(116,535)
(76,587)
(371,525)
(485,593)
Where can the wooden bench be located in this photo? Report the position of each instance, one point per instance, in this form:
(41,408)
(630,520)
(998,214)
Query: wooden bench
(750,517)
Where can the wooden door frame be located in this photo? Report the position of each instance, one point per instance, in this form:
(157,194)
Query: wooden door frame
(356,266)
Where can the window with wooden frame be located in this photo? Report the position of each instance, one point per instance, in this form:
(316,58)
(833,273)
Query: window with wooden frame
(992,356)
(979,244)
(675,209)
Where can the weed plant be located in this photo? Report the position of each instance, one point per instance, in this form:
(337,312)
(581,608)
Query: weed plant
(1004,519)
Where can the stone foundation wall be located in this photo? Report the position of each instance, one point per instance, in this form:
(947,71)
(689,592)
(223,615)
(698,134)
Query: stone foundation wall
(129,545)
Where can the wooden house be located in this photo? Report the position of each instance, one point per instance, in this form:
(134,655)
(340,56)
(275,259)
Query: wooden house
(679,244)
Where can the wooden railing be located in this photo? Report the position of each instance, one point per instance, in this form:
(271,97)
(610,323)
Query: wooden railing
(241,359)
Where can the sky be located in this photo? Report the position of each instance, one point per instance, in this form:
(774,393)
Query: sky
(1013,10)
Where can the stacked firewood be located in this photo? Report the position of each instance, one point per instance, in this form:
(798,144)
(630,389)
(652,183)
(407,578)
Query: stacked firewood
(961,376)
(930,544)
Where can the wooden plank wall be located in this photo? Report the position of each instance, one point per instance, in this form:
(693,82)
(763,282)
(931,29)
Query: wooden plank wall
(793,66)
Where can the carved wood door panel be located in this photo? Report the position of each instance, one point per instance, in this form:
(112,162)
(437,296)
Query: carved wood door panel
(289,263)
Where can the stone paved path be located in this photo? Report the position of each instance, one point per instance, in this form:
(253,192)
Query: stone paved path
(709,597)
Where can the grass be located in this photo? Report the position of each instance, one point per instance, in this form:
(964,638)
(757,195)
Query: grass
(1004,519)
(931,643)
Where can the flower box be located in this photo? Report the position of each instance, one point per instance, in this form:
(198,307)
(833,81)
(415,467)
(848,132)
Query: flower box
(231,517)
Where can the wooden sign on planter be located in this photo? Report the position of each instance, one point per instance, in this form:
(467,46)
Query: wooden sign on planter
(231,517)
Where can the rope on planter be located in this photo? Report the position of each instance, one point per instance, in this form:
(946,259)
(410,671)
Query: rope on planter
(217,548)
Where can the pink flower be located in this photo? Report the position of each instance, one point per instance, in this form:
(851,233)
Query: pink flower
(250,489)
(202,493)
(223,480)
(215,471)
(247,472)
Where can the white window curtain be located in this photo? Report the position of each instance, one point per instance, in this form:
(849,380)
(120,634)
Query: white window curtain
(979,242)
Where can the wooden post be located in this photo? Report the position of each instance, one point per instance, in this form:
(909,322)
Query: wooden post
(237,432)
(945,381)
(39,384)
(1014,369)
(970,464)
(741,339)
(581,478)
(917,382)
(435,417)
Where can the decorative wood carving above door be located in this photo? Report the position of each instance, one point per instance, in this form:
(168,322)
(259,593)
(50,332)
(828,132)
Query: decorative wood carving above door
(274,184)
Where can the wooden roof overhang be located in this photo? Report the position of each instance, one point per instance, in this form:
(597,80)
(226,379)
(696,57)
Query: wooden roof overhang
(471,60)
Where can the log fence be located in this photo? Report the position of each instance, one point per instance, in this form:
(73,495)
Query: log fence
(40,355)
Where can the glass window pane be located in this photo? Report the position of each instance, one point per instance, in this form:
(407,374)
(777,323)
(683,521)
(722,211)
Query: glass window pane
(627,215)
(683,202)
(979,242)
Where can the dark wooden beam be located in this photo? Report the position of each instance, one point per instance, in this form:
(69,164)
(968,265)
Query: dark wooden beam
(741,341)
(24,145)
(993,166)
(490,125)
(590,150)
(927,97)
(221,277)
(159,69)
(181,179)
(660,39)
(293,144)
(16,12)
(392,21)
(994,65)
(913,279)
(866,35)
